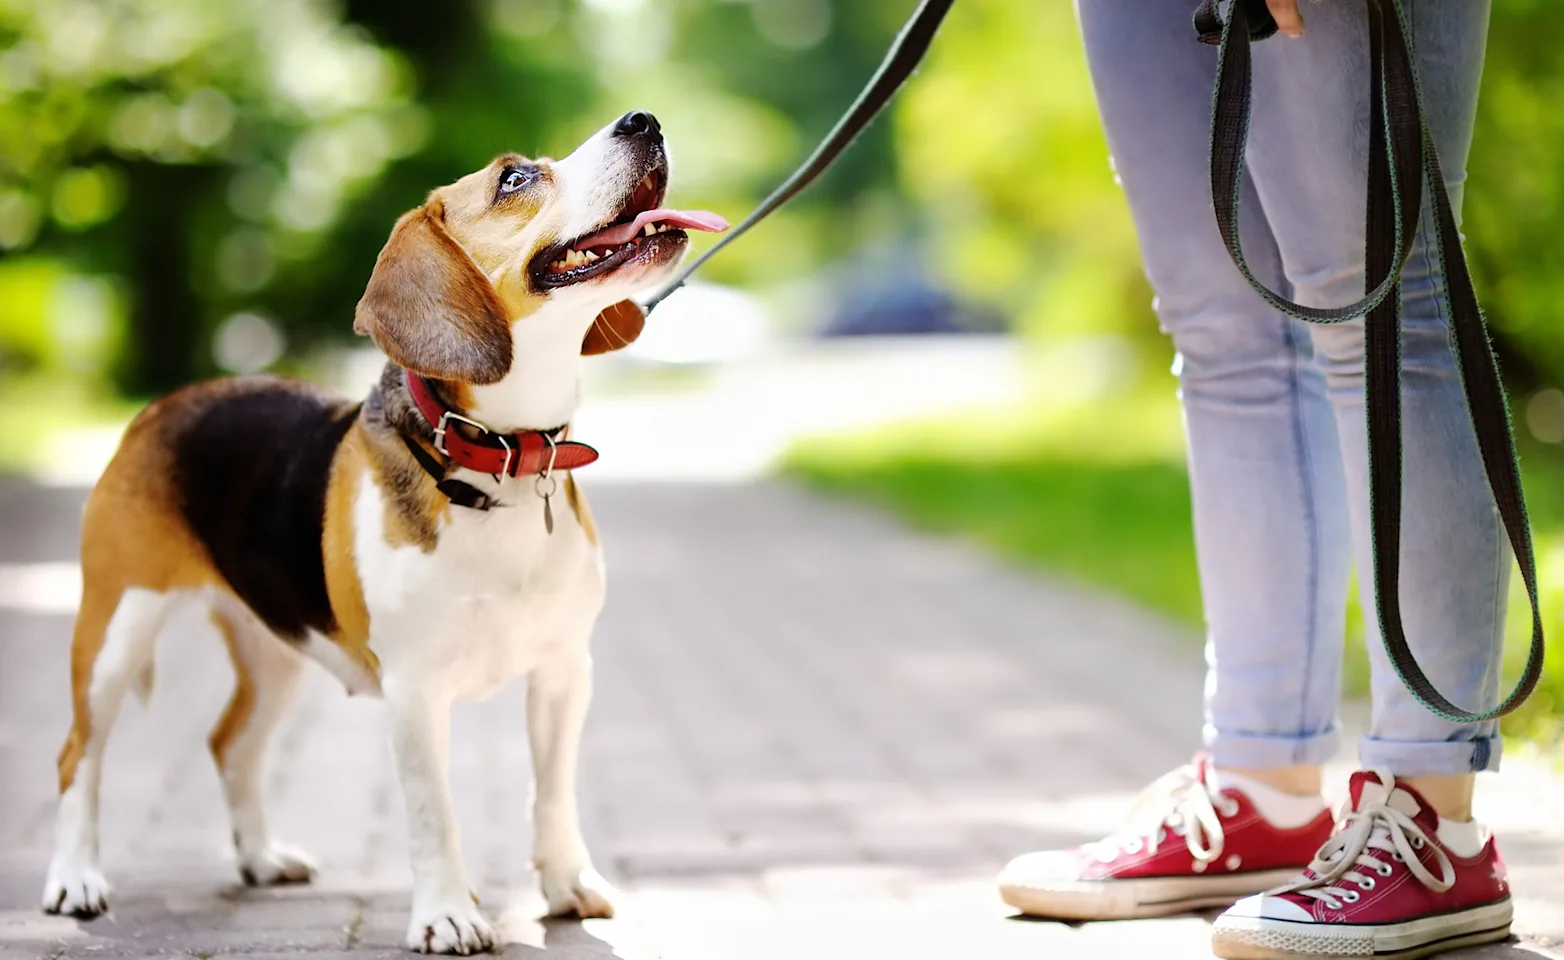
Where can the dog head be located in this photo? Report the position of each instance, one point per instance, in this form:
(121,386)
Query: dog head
(521,241)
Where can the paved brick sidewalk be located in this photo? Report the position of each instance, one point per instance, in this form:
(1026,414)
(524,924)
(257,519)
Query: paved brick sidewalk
(815,736)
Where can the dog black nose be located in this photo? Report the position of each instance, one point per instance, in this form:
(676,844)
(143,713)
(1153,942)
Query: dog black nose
(639,121)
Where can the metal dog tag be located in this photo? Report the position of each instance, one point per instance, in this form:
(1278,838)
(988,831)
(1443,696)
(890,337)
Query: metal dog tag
(547,493)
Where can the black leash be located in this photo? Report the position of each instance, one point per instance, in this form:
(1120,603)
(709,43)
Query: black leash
(1401,157)
(900,62)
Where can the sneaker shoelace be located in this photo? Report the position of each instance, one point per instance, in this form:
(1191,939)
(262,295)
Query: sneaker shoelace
(1347,858)
(1177,803)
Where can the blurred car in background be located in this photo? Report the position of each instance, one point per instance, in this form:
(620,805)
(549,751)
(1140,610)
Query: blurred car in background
(884,290)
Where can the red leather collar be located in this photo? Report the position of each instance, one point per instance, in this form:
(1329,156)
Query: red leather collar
(511,454)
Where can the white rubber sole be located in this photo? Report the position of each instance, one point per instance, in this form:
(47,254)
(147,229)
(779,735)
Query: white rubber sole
(1256,938)
(1135,899)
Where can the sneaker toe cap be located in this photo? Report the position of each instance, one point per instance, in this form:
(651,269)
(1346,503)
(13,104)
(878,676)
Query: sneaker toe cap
(1265,907)
(1040,869)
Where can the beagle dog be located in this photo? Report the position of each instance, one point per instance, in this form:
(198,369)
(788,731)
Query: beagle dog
(425,545)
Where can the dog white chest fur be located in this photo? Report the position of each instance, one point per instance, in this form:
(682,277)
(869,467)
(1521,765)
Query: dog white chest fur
(497,597)
(501,595)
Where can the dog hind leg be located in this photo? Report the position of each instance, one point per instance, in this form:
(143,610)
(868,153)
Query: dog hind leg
(113,643)
(266,674)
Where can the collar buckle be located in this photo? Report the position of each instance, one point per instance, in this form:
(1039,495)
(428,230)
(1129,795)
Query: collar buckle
(442,425)
(510,456)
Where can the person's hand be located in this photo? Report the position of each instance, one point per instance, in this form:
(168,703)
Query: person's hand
(1287,17)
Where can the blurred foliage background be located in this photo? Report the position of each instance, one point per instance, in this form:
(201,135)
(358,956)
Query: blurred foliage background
(189,187)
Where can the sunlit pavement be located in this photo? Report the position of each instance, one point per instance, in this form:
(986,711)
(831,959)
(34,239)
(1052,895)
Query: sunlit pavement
(816,735)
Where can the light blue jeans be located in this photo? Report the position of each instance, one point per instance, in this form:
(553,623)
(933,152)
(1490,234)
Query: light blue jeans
(1273,408)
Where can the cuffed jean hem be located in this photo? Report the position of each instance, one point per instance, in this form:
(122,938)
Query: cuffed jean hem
(1404,758)
(1255,752)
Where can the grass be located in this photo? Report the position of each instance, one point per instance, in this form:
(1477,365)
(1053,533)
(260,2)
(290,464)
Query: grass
(1096,491)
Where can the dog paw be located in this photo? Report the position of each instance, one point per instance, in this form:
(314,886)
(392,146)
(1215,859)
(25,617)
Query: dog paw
(276,863)
(454,927)
(577,892)
(76,891)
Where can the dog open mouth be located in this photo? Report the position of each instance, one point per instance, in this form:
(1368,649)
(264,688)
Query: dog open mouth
(642,231)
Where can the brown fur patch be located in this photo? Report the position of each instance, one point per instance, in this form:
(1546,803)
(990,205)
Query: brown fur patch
(92,619)
(342,580)
(579,506)
(430,309)
(457,396)
(415,509)
(236,716)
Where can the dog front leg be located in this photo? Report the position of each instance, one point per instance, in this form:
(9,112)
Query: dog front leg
(446,918)
(557,697)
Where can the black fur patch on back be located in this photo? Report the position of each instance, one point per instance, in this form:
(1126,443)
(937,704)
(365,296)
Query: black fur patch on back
(252,461)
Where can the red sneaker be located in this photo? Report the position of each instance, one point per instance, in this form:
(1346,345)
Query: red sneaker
(1383,887)
(1186,847)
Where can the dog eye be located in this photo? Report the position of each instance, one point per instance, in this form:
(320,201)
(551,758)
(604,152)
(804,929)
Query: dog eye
(514,178)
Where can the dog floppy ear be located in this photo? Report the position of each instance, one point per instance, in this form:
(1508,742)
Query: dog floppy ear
(615,328)
(430,309)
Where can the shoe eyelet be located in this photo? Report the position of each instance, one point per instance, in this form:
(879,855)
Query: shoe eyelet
(1398,858)
(1367,883)
(1352,896)
(1134,846)
(1417,843)
(1333,904)
(1229,808)
(1385,869)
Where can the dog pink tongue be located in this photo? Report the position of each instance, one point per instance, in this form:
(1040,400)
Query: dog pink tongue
(678,219)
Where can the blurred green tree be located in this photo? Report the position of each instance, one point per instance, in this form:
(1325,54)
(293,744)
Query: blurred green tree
(181,163)
(246,159)
(1514,205)
(195,150)
(1000,142)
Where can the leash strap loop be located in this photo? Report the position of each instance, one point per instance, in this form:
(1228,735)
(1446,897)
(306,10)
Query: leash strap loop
(1401,159)
(1208,22)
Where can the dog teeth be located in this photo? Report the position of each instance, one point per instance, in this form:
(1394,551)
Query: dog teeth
(651,228)
(571,260)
